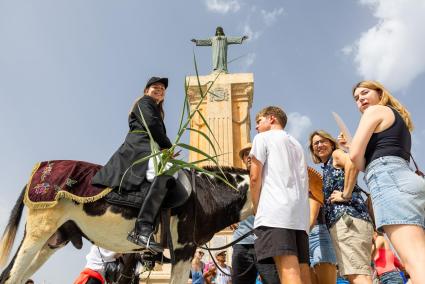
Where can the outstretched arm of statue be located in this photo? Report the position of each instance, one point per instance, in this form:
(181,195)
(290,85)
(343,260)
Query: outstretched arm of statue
(236,40)
(202,42)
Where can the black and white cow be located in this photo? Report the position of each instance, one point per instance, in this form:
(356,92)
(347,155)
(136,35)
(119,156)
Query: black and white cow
(211,207)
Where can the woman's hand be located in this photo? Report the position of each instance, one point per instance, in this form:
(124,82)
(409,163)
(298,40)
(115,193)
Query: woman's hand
(342,142)
(337,196)
(234,227)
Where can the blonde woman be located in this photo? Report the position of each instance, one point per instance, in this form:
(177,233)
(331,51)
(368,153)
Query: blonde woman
(381,148)
(346,214)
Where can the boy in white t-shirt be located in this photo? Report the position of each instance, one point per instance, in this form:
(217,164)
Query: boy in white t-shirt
(279,189)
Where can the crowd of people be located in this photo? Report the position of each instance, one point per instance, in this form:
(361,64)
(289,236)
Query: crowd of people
(302,236)
(306,238)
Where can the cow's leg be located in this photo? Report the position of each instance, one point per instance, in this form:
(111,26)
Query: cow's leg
(183,255)
(41,257)
(29,248)
(41,225)
(180,272)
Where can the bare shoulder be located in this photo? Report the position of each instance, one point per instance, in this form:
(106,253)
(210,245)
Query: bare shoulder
(379,111)
(382,114)
(376,109)
(338,153)
(339,158)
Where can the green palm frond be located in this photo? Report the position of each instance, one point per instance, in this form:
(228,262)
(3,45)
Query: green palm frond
(164,160)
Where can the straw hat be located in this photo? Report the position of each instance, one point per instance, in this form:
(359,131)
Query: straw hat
(247,147)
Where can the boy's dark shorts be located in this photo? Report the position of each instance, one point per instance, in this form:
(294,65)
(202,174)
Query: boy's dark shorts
(272,242)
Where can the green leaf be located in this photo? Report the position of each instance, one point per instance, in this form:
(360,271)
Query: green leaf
(204,171)
(196,150)
(205,136)
(210,130)
(186,88)
(141,160)
(162,159)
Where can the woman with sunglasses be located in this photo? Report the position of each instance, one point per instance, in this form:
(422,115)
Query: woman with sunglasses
(346,215)
(197,269)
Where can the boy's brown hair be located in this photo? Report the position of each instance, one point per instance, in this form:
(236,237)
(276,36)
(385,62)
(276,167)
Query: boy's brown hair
(276,112)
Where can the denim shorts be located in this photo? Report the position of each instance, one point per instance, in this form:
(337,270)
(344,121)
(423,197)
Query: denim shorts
(398,194)
(391,277)
(320,244)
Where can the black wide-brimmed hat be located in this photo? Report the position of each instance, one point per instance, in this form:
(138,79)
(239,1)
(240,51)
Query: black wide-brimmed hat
(154,80)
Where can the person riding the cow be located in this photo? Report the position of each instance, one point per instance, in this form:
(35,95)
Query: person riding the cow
(124,169)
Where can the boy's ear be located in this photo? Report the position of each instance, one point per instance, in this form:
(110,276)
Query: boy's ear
(272,119)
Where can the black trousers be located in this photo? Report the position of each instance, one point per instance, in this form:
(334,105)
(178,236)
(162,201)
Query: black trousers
(244,257)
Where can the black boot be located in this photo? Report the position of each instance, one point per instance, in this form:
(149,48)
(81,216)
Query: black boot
(143,233)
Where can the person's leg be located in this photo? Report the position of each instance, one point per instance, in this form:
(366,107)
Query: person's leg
(305,273)
(409,243)
(303,255)
(143,232)
(314,252)
(268,272)
(323,258)
(288,269)
(243,264)
(325,273)
(313,276)
(282,245)
(359,279)
(352,239)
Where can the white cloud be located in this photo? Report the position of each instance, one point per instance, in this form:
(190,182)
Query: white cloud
(392,50)
(347,50)
(252,35)
(298,125)
(223,6)
(271,17)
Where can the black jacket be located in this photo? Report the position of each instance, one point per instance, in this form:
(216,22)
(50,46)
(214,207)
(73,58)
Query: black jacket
(135,146)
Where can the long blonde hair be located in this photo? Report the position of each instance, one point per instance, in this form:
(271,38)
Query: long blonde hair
(387,100)
(324,134)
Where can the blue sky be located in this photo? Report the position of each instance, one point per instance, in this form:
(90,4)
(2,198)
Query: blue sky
(70,70)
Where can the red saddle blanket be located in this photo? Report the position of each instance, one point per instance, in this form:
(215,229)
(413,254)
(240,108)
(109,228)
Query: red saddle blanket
(53,180)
